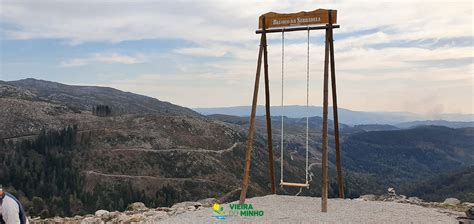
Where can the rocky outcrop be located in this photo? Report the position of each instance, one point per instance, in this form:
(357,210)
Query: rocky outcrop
(470,213)
(137,213)
(296,210)
(469,219)
(450,205)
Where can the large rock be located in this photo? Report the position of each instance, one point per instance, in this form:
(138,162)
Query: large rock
(452,201)
(101,212)
(391,191)
(137,206)
(470,213)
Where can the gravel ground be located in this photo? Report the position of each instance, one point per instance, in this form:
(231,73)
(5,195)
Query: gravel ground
(293,209)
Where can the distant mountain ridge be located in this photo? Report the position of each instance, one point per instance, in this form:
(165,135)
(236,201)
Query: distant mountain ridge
(83,98)
(451,124)
(346,116)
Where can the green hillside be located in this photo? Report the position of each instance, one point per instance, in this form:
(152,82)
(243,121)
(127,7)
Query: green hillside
(458,184)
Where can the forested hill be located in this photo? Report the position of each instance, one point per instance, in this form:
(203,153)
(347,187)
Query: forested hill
(374,160)
(402,156)
(457,184)
(67,150)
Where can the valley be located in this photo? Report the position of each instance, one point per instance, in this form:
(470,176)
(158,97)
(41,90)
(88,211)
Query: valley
(64,159)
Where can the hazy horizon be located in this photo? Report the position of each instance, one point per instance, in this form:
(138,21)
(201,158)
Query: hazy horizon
(263,105)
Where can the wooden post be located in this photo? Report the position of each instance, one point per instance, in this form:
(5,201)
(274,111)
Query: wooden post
(267,108)
(340,180)
(248,152)
(324,175)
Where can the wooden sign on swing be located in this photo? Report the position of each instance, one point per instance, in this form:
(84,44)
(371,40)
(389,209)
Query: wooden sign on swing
(318,16)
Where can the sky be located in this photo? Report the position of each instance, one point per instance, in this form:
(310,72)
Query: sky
(414,56)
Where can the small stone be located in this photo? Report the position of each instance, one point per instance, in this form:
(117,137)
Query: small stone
(136,218)
(468,204)
(149,213)
(114,214)
(156,216)
(186,204)
(121,218)
(415,200)
(57,219)
(179,210)
(383,197)
(165,209)
(92,220)
(161,213)
(401,200)
(452,201)
(368,197)
(208,202)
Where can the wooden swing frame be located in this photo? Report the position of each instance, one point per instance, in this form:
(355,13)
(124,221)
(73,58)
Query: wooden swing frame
(302,20)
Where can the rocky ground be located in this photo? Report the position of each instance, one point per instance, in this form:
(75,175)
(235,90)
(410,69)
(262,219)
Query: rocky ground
(136,213)
(288,209)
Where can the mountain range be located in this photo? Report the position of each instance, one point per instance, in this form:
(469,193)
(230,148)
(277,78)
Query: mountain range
(62,157)
(346,116)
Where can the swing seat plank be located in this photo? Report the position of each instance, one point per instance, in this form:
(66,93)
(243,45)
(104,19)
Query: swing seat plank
(289,184)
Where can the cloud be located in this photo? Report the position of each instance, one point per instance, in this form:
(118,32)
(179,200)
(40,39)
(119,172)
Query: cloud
(83,21)
(104,58)
(373,60)
(75,62)
(223,21)
(213,51)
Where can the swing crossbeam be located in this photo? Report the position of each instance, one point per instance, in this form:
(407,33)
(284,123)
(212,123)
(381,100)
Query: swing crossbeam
(297,185)
(279,30)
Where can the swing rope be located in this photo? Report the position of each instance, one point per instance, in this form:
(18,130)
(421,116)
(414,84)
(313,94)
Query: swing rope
(307,108)
(282,183)
(282,81)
